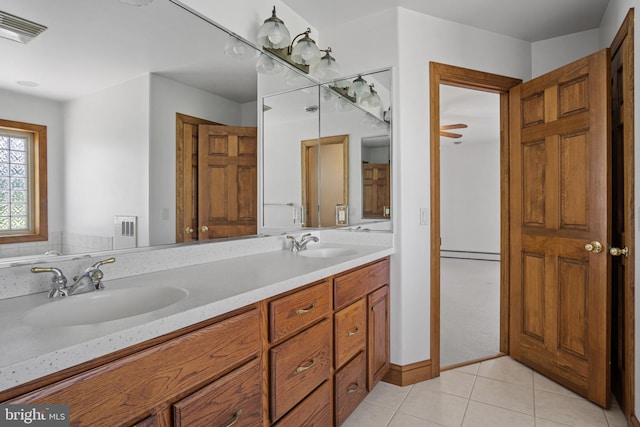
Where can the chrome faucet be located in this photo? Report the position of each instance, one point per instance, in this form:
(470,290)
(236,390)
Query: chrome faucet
(90,280)
(301,245)
(58,281)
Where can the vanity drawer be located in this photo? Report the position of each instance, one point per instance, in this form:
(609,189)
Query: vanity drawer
(358,283)
(350,325)
(351,387)
(298,366)
(235,398)
(315,410)
(296,311)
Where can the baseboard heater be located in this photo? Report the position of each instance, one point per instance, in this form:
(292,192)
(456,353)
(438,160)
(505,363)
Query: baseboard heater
(480,256)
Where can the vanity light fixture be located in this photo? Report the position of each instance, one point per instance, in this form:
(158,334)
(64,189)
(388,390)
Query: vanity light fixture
(273,34)
(18,29)
(305,52)
(268,65)
(327,68)
(358,88)
(371,99)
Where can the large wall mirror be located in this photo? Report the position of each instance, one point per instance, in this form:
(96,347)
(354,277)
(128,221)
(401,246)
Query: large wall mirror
(123,92)
(327,156)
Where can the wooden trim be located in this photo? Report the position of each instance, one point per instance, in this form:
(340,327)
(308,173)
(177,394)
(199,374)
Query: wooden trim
(625,39)
(478,80)
(38,178)
(409,374)
(471,362)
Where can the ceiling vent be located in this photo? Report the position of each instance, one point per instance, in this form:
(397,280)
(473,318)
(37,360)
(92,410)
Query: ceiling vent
(18,29)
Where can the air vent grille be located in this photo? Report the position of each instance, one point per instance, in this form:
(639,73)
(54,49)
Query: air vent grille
(18,29)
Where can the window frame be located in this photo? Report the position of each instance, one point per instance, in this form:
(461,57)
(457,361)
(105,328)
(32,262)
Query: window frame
(38,184)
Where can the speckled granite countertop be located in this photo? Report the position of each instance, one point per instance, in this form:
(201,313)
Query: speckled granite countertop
(214,288)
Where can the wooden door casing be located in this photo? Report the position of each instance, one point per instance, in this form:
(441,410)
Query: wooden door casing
(559,201)
(227,182)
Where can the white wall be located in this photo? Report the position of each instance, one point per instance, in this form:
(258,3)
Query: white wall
(30,109)
(107,158)
(168,97)
(470,196)
(547,55)
(613,17)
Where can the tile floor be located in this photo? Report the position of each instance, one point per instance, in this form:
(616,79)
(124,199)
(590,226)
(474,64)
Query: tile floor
(495,393)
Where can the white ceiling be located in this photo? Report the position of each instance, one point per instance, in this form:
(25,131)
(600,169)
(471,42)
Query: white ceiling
(530,20)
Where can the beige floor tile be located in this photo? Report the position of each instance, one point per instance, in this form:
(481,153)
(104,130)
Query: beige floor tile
(468,369)
(540,382)
(481,415)
(509,396)
(615,416)
(404,420)
(441,408)
(506,369)
(389,395)
(451,382)
(546,423)
(369,415)
(568,410)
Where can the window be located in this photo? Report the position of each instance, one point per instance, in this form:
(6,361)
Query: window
(23,182)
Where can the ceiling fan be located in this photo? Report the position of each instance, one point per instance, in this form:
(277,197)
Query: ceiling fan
(445,128)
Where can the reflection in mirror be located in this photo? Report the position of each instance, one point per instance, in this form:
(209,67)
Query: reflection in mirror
(122,98)
(324,117)
(376,179)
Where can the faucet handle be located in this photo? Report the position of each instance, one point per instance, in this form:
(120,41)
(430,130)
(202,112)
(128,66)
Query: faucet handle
(58,281)
(103,262)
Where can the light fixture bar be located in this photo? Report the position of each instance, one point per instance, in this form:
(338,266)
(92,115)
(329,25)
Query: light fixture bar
(18,29)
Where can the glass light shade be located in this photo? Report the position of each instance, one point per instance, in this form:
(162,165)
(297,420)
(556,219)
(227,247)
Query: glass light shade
(327,68)
(267,65)
(371,99)
(358,88)
(236,48)
(273,33)
(343,105)
(305,52)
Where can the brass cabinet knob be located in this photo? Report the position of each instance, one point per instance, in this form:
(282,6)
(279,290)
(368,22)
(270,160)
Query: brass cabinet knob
(595,247)
(619,252)
(188,230)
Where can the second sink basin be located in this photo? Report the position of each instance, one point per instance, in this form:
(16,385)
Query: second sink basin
(103,306)
(327,252)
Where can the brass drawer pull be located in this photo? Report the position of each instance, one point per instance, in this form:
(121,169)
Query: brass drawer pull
(303,368)
(235,419)
(353,387)
(306,310)
(352,333)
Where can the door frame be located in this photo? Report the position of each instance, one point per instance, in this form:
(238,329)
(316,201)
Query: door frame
(486,82)
(626,34)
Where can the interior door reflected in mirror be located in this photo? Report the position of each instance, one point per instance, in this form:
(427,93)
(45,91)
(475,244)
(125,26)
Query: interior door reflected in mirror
(376,167)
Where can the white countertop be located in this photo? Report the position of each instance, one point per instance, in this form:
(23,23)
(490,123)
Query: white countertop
(214,288)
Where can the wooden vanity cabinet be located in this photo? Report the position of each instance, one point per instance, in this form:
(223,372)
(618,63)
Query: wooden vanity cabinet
(140,389)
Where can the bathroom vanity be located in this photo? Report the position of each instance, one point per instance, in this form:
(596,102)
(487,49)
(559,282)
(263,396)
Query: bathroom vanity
(308,346)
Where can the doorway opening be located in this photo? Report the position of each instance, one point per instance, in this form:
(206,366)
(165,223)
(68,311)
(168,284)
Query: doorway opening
(441,74)
(470,225)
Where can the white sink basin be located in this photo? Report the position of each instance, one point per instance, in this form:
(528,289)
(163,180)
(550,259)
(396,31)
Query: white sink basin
(327,252)
(103,306)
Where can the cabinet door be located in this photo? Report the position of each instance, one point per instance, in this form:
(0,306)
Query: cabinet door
(378,325)
(350,326)
(235,399)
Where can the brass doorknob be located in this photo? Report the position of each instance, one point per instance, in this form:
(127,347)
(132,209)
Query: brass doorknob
(188,230)
(204,228)
(619,252)
(595,247)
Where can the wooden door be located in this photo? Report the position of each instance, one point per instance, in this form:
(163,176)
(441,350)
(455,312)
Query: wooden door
(227,181)
(559,204)
(376,199)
